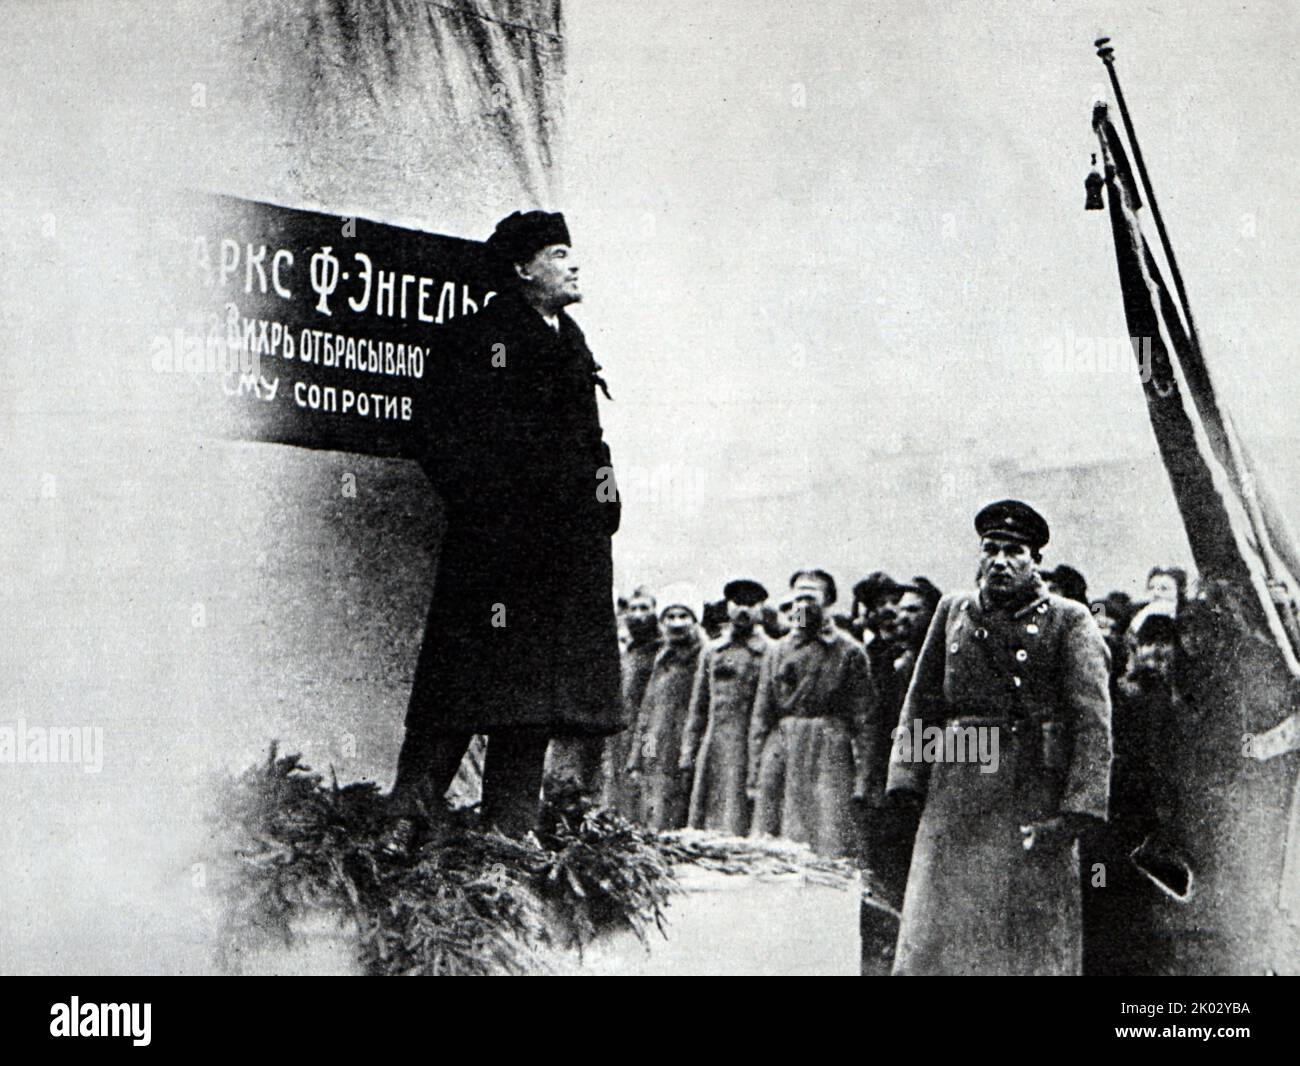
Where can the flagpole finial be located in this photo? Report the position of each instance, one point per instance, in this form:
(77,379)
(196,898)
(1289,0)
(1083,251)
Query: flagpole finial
(1104,51)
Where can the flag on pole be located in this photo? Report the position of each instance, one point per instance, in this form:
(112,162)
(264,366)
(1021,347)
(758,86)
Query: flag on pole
(1234,527)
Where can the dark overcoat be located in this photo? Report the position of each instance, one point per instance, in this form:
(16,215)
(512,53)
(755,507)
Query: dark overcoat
(976,901)
(521,633)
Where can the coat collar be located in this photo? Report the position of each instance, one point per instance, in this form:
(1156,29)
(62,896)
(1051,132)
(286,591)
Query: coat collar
(513,305)
(652,641)
(1028,601)
(569,336)
(755,642)
(669,651)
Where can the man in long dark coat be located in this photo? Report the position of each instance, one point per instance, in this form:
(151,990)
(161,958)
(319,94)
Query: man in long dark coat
(1117,909)
(994,880)
(897,618)
(521,642)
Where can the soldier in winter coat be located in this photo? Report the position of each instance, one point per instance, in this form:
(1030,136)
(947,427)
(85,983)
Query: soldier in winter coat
(814,691)
(715,743)
(1023,676)
(655,748)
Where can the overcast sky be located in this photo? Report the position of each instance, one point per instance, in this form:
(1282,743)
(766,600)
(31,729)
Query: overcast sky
(835,223)
(835,227)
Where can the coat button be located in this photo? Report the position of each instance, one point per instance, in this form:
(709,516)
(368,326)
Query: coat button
(1022,655)
(1031,628)
(953,647)
(1016,681)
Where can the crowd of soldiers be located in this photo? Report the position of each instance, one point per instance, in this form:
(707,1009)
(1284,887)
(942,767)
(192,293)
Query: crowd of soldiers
(754,719)
(747,717)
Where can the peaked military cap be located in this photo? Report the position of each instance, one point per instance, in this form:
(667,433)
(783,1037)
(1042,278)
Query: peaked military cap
(1015,520)
(744,591)
(523,234)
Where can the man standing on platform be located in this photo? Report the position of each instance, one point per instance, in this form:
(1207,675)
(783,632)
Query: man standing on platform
(1005,739)
(521,642)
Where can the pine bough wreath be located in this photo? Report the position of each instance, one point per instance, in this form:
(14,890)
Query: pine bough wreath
(476,903)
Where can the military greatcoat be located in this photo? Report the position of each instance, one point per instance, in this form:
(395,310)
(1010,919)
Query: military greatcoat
(657,736)
(716,738)
(814,693)
(1037,674)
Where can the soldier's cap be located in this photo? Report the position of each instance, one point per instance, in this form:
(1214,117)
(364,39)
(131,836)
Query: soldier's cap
(744,591)
(1015,521)
(877,587)
(817,574)
(680,595)
(1157,629)
(520,236)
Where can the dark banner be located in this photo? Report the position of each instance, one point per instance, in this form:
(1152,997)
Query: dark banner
(318,330)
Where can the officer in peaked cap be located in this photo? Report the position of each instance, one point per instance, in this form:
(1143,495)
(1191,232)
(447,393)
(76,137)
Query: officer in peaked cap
(1022,675)
(1015,521)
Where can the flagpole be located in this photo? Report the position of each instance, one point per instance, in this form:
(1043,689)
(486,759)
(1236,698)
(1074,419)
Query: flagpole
(1281,603)
(1107,55)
